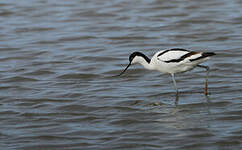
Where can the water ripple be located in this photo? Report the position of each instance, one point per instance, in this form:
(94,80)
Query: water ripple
(59,90)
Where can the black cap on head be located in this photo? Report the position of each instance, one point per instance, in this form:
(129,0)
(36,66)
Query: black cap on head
(134,54)
(131,57)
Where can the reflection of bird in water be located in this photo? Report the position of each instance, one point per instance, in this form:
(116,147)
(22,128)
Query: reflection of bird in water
(172,61)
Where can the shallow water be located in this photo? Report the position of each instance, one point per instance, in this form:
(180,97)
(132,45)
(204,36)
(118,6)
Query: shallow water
(58,59)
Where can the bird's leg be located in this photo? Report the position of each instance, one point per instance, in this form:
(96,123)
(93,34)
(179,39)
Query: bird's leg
(206,79)
(174,82)
(177,99)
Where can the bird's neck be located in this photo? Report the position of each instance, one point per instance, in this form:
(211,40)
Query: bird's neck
(146,62)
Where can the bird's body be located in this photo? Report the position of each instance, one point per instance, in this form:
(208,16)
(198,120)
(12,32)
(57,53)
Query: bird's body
(172,61)
(177,60)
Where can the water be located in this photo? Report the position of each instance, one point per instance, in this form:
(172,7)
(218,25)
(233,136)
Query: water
(58,59)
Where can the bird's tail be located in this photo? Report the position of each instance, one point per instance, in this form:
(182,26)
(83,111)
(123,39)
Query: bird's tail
(207,54)
(204,55)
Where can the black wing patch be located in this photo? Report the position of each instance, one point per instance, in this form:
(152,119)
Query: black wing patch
(182,57)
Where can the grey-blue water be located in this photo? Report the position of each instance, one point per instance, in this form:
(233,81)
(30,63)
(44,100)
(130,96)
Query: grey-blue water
(58,59)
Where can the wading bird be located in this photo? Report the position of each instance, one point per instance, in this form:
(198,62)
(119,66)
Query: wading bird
(172,61)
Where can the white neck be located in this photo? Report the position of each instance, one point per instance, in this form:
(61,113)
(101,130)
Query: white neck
(143,62)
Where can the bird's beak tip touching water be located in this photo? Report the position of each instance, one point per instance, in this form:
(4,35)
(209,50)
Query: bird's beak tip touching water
(124,70)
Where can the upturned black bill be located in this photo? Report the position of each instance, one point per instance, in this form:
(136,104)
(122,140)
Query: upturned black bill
(124,69)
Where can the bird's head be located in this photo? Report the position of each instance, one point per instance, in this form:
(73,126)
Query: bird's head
(135,57)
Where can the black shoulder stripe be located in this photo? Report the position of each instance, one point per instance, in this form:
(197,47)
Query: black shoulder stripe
(182,57)
(204,55)
(173,49)
(163,53)
(179,49)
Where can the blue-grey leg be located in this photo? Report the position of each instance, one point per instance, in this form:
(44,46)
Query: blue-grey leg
(174,82)
(206,79)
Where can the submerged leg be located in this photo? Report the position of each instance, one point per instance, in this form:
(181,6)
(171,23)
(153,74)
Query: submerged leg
(177,99)
(174,82)
(206,79)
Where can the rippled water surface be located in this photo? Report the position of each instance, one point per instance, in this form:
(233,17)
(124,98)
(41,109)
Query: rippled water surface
(58,59)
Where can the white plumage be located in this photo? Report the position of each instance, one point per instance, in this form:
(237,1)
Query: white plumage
(176,60)
(169,55)
(172,61)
